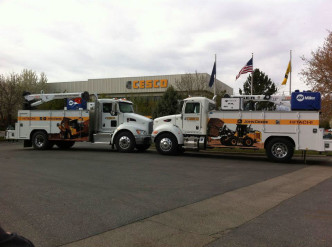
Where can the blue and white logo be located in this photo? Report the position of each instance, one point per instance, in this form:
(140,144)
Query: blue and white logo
(300,97)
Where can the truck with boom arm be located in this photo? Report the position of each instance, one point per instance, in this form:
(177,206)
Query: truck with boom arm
(200,126)
(110,121)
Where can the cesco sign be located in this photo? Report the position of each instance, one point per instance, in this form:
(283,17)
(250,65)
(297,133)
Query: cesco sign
(147,84)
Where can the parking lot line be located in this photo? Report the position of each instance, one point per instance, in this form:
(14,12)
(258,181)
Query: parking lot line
(199,223)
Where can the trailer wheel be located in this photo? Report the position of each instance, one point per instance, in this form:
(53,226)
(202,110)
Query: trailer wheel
(142,147)
(40,141)
(167,144)
(125,142)
(65,144)
(279,150)
(248,142)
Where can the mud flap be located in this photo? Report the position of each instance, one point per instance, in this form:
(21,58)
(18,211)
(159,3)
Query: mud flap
(27,143)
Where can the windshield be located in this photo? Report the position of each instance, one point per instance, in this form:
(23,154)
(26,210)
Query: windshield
(126,107)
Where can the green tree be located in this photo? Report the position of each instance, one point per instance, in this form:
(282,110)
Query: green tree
(262,85)
(168,104)
(318,75)
(144,105)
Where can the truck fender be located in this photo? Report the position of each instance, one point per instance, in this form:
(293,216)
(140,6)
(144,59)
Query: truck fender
(175,130)
(125,126)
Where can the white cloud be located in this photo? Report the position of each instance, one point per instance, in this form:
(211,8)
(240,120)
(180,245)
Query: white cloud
(78,40)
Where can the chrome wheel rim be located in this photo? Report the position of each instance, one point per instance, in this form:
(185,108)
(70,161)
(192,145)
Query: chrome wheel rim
(124,142)
(40,141)
(279,150)
(165,144)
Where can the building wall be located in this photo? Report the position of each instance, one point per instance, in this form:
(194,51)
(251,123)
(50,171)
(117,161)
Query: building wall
(142,85)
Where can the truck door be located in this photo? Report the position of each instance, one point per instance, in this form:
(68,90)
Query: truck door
(109,120)
(192,117)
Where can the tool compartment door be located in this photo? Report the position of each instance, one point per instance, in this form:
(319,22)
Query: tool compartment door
(24,125)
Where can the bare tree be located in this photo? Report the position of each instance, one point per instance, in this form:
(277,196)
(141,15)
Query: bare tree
(12,88)
(318,74)
(196,85)
(192,84)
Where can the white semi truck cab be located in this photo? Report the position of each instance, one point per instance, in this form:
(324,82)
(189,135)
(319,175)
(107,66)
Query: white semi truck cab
(202,126)
(110,121)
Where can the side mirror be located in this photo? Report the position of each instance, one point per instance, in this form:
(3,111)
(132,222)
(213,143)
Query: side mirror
(113,113)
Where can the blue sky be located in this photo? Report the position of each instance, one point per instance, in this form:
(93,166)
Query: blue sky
(77,40)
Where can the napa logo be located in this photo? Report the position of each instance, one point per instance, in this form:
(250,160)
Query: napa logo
(301,97)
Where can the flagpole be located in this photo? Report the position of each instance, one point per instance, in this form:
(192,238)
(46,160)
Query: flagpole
(252,73)
(290,77)
(215,75)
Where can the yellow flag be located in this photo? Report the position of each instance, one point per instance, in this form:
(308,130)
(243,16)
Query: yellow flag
(286,74)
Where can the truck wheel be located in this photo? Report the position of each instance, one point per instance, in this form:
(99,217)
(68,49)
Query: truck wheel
(142,147)
(40,141)
(248,142)
(125,142)
(167,144)
(64,144)
(279,150)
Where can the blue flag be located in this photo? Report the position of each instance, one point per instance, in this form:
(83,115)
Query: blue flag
(212,75)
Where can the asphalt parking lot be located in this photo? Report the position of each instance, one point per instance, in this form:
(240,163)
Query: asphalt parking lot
(91,196)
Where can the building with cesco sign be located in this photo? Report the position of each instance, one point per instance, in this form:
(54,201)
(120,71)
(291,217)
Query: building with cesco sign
(151,86)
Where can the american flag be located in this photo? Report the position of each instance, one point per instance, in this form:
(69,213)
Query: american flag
(247,68)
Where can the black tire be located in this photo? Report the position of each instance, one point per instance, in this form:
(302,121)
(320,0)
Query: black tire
(167,144)
(64,144)
(142,147)
(223,140)
(125,142)
(279,150)
(248,142)
(233,141)
(40,140)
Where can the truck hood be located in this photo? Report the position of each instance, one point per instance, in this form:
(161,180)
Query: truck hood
(139,118)
(171,119)
(138,122)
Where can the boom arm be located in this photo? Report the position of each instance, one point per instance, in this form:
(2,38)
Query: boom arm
(42,98)
(276,99)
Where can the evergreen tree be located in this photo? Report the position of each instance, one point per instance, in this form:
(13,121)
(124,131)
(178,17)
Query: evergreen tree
(168,104)
(262,85)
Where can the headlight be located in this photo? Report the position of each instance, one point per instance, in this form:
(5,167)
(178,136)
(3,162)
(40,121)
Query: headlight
(141,132)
